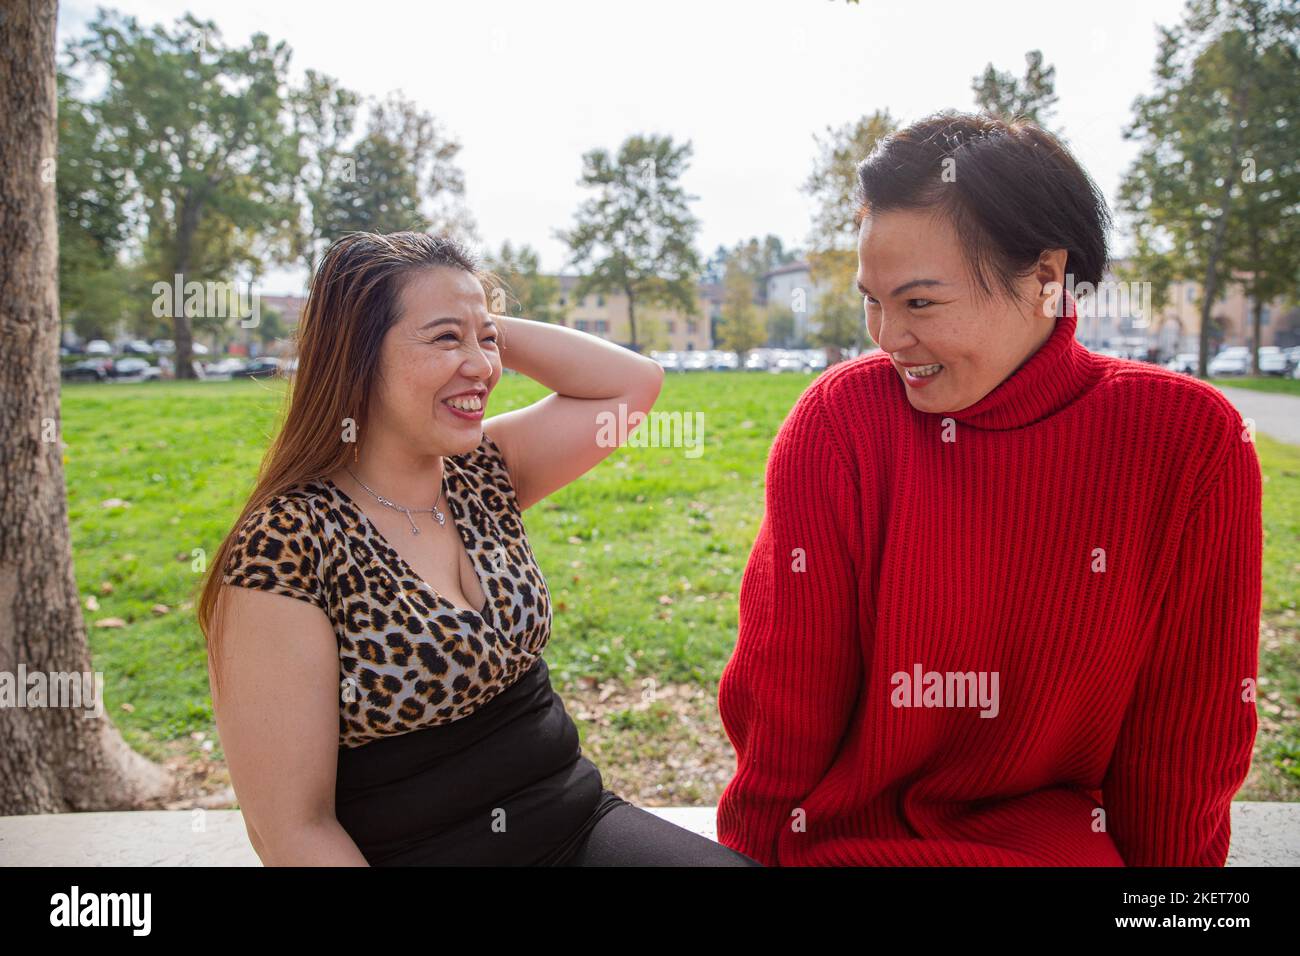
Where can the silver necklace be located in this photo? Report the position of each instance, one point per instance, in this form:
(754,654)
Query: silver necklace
(441,518)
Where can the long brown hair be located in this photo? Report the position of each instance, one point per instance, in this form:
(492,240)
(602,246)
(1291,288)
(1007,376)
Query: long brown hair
(352,303)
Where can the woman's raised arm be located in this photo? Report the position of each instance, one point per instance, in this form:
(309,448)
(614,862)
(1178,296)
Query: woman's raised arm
(559,438)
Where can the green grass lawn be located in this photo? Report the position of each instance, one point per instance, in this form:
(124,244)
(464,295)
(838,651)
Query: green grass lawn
(643,556)
(1265,383)
(1276,773)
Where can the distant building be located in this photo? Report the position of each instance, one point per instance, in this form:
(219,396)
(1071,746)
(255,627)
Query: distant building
(606,314)
(248,341)
(791,287)
(289,306)
(1178,324)
(1120,315)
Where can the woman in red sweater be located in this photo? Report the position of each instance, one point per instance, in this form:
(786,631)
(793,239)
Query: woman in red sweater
(1003,607)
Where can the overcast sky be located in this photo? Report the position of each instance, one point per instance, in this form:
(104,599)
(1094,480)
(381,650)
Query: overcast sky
(527,86)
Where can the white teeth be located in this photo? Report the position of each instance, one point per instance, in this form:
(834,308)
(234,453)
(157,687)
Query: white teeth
(466,404)
(923,371)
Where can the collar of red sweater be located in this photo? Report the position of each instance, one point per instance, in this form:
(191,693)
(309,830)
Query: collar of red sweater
(1053,377)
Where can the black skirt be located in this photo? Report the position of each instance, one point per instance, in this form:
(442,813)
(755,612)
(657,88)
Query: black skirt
(504,786)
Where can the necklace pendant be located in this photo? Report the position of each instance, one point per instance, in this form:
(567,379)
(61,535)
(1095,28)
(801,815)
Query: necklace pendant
(442,519)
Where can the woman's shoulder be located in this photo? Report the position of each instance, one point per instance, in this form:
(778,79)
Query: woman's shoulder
(277,547)
(284,515)
(485,468)
(1184,428)
(1174,403)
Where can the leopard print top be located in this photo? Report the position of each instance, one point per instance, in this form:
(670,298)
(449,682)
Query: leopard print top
(408,658)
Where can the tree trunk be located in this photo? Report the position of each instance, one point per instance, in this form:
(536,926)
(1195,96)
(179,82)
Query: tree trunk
(631,316)
(1256,321)
(1241,102)
(52,758)
(1256,302)
(185,231)
(1209,291)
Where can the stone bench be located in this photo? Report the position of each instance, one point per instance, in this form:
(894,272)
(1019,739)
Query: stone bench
(1263,834)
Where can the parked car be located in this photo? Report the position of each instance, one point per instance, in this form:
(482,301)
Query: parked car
(98,347)
(1233,360)
(1271,360)
(786,360)
(1292,358)
(1184,362)
(721,361)
(164,346)
(134,368)
(225,367)
(669,360)
(258,368)
(694,361)
(87,370)
(137,347)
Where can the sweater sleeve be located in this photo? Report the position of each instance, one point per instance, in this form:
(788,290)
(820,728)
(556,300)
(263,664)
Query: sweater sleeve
(1186,741)
(786,695)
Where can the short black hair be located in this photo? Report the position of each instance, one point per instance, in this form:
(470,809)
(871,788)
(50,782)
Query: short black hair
(1010,189)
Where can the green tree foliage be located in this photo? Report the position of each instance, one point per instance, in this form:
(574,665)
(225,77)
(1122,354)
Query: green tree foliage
(401,175)
(379,193)
(324,118)
(1214,189)
(833,253)
(1262,248)
(1032,97)
(757,257)
(636,234)
(527,291)
(780,326)
(92,192)
(741,327)
(200,125)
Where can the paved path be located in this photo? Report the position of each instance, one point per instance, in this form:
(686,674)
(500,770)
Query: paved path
(1263,834)
(1275,414)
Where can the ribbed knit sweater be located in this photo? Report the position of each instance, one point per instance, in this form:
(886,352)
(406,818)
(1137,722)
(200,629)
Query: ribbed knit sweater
(1083,544)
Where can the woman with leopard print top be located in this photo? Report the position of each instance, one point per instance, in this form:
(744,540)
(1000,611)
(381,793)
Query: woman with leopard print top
(376,619)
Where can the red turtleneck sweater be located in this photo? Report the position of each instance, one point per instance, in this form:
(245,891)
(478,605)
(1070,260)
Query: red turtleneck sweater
(1024,633)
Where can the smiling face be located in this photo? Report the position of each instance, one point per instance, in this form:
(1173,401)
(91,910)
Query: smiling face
(437,363)
(950,345)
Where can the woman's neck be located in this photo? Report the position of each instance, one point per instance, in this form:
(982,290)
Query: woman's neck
(404,478)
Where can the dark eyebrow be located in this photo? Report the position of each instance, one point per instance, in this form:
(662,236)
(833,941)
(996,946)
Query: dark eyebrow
(489,324)
(914,284)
